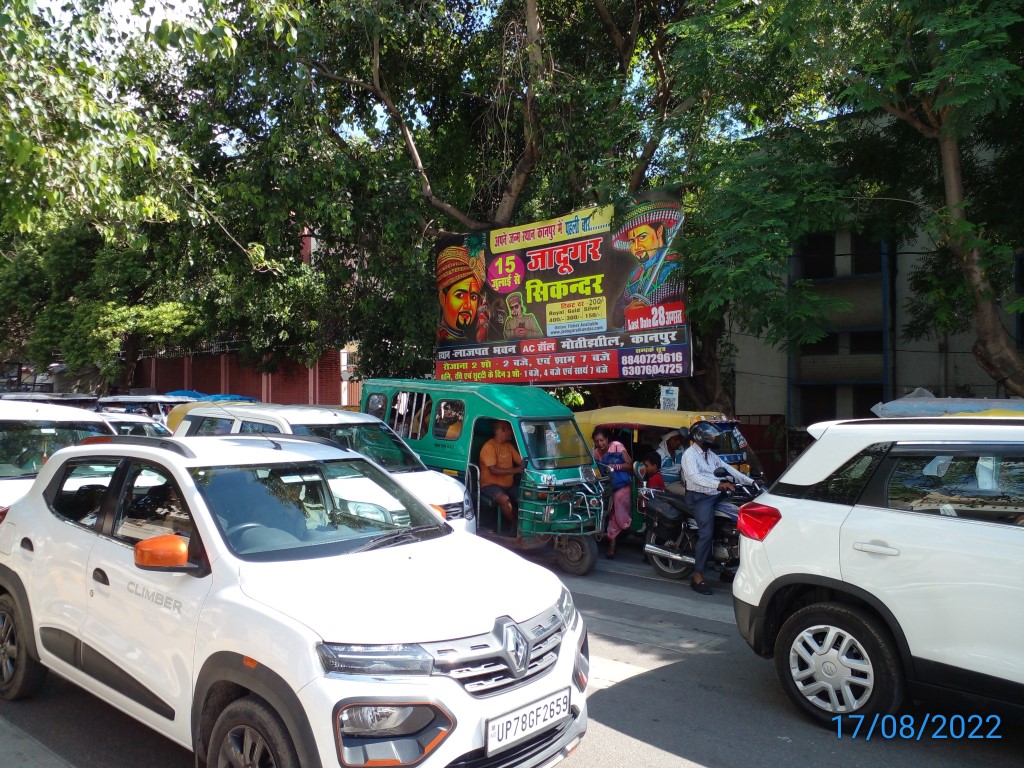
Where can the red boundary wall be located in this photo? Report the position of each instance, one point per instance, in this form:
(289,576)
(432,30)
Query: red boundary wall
(292,383)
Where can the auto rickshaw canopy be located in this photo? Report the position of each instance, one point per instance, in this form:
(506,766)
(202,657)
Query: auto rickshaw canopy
(628,417)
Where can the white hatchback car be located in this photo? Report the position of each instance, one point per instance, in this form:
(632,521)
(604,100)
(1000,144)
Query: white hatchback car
(889,559)
(30,432)
(349,429)
(284,603)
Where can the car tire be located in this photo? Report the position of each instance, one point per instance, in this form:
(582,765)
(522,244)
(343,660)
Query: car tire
(834,659)
(249,734)
(20,674)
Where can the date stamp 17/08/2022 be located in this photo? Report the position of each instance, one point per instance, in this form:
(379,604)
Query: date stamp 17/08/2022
(917,727)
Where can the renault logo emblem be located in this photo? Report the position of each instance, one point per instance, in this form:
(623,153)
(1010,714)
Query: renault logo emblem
(517,650)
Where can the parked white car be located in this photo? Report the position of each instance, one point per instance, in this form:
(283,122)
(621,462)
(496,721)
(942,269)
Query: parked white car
(349,429)
(887,561)
(135,424)
(30,432)
(282,603)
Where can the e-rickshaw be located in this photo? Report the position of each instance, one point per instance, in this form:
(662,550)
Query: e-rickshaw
(558,496)
(641,429)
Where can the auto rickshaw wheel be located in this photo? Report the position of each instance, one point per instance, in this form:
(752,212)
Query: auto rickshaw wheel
(577,555)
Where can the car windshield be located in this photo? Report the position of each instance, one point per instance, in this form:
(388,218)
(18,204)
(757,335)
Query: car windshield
(26,445)
(374,439)
(554,444)
(295,511)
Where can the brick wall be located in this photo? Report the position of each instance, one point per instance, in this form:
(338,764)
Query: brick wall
(291,383)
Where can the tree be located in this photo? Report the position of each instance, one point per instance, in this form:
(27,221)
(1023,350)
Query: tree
(946,69)
(414,121)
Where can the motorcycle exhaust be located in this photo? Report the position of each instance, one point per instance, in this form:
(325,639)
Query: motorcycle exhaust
(652,549)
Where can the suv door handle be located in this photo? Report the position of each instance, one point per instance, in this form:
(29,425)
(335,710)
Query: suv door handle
(100,576)
(875,549)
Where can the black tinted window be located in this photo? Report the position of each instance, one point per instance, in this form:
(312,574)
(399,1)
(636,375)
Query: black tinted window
(843,486)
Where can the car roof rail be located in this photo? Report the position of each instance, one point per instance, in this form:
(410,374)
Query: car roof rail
(152,442)
(275,436)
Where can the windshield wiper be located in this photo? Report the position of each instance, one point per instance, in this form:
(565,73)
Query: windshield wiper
(404,536)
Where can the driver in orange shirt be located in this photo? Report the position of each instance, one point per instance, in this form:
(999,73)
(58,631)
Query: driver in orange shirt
(500,462)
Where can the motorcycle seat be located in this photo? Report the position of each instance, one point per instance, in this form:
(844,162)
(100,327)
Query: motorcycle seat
(669,506)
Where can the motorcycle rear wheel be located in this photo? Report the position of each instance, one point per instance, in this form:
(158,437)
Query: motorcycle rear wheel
(671,569)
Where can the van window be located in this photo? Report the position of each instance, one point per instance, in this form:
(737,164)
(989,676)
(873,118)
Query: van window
(411,414)
(250,427)
(377,405)
(448,419)
(212,425)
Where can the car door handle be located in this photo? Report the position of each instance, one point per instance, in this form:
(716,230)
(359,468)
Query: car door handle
(101,577)
(875,549)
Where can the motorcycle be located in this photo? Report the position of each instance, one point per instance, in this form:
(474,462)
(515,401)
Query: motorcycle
(672,531)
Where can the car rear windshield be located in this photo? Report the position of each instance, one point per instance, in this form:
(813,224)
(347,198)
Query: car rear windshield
(26,445)
(296,511)
(374,439)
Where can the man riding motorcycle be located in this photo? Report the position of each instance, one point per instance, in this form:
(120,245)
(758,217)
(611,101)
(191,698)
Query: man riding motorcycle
(704,494)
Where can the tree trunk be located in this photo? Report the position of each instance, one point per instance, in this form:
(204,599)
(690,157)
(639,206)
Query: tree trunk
(993,348)
(705,388)
(130,348)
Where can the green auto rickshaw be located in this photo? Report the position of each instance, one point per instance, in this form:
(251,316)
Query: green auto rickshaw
(640,430)
(558,496)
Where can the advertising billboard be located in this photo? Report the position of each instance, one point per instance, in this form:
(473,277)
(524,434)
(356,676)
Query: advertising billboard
(582,298)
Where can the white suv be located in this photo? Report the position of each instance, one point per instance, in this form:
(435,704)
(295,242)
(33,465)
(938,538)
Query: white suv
(350,429)
(889,559)
(284,603)
(31,432)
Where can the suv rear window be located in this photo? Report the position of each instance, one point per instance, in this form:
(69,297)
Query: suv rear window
(845,485)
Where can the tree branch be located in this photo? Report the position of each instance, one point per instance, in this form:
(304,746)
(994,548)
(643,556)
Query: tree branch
(376,90)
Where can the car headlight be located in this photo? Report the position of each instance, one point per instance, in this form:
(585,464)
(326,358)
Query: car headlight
(467,505)
(566,608)
(381,721)
(375,659)
(388,732)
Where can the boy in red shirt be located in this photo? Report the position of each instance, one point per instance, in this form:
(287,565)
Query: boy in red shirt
(652,471)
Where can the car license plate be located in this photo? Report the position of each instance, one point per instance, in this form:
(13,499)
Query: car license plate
(522,723)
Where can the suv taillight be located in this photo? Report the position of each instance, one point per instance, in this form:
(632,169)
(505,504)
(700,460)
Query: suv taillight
(3,513)
(757,520)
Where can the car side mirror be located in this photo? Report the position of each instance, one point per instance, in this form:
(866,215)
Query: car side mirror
(168,553)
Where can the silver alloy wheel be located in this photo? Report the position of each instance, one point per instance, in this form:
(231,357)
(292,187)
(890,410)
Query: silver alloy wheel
(831,669)
(245,747)
(8,647)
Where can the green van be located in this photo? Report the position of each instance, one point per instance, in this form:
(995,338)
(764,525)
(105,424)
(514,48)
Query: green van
(558,495)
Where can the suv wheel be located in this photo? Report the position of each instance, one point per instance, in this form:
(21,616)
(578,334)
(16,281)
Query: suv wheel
(20,674)
(249,734)
(833,659)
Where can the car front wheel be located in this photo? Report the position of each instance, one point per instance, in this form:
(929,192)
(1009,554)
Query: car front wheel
(834,659)
(249,734)
(20,674)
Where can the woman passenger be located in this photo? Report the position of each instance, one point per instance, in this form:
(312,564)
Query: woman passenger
(614,457)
